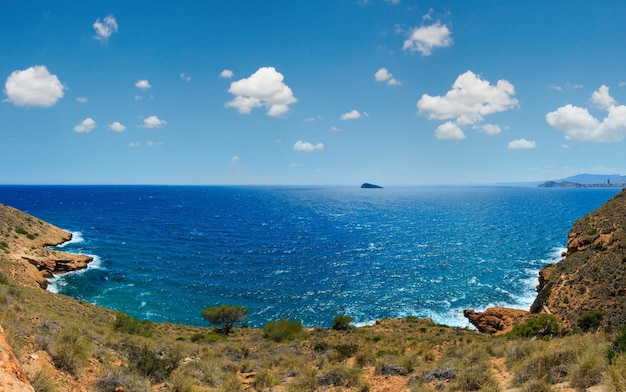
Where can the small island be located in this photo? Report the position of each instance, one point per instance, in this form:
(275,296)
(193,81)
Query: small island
(367,185)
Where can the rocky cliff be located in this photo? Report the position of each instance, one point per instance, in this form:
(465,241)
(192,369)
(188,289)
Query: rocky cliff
(25,240)
(590,282)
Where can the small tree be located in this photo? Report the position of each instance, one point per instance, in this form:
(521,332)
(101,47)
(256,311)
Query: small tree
(342,322)
(225,315)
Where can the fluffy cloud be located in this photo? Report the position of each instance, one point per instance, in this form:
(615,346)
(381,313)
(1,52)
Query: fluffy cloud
(307,147)
(85,126)
(105,28)
(116,126)
(351,115)
(227,74)
(185,78)
(143,84)
(470,99)
(522,144)
(449,131)
(264,88)
(426,38)
(34,86)
(579,124)
(382,75)
(602,99)
(153,122)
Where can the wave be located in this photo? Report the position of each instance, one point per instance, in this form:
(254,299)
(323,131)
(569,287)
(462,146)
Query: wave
(77,237)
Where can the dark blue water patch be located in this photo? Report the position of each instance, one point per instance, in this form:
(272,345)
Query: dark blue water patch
(309,253)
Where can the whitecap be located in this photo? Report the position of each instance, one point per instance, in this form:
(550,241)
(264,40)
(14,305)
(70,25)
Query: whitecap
(58,280)
(77,237)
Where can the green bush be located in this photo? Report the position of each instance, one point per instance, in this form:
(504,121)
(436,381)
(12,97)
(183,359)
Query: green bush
(207,337)
(3,279)
(618,346)
(71,350)
(132,325)
(157,365)
(544,326)
(590,321)
(225,315)
(282,330)
(342,322)
(346,351)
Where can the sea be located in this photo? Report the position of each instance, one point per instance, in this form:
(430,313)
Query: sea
(309,253)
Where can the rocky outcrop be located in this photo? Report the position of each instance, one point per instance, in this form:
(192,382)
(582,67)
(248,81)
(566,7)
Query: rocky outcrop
(25,239)
(12,377)
(367,185)
(496,321)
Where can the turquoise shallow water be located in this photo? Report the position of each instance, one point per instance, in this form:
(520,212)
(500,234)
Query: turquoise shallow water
(165,253)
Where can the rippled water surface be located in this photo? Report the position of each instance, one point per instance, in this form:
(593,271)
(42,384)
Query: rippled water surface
(309,253)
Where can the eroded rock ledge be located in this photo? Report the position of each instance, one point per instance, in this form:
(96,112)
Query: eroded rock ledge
(25,241)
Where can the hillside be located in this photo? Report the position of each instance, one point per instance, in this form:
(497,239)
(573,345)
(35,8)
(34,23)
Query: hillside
(592,276)
(58,344)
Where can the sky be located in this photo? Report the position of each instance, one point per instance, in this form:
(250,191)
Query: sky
(277,92)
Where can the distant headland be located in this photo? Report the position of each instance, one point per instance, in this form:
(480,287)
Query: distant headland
(588,181)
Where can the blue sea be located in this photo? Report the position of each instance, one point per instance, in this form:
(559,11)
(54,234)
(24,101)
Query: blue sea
(164,253)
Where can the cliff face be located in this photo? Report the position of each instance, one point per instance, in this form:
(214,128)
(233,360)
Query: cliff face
(25,239)
(592,276)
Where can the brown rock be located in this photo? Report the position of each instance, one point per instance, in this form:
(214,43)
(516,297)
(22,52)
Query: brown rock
(12,378)
(496,321)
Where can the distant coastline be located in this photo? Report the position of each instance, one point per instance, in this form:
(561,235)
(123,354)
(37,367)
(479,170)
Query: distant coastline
(588,181)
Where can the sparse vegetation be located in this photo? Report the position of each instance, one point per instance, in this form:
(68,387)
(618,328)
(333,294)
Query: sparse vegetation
(132,325)
(282,330)
(225,315)
(545,326)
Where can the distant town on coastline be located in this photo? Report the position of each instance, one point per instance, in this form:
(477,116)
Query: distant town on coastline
(588,181)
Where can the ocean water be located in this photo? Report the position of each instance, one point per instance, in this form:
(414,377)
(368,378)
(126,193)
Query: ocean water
(164,253)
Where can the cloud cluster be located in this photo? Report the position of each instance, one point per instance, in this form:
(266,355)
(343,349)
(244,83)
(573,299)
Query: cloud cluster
(578,124)
(105,28)
(470,99)
(426,38)
(382,75)
(307,147)
(34,86)
(264,88)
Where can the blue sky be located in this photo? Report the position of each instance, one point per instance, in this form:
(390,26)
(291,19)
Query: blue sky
(310,92)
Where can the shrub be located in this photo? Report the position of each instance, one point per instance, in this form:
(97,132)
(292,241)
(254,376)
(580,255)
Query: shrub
(207,337)
(156,365)
(3,279)
(587,371)
(43,381)
(342,322)
(120,380)
(618,346)
(132,325)
(544,326)
(282,330)
(225,315)
(345,351)
(590,321)
(339,376)
(616,374)
(71,351)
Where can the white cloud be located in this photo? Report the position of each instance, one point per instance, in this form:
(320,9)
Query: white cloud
(469,100)
(426,38)
(227,74)
(579,124)
(134,144)
(491,129)
(306,146)
(34,86)
(234,159)
(335,129)
(383,75)
(602,99)
(153,122)
(351,115)
(143,84)
(185,78)
(116,126)
(522,144)
(81,99)
(85,126)
(449,131)
(105,28)
(264,88)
